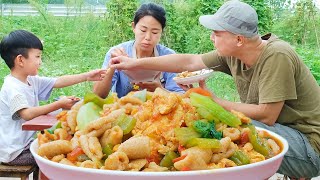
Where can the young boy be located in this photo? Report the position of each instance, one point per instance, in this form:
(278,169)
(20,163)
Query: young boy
(21,91)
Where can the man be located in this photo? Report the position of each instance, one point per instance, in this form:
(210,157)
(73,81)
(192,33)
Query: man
(275,87)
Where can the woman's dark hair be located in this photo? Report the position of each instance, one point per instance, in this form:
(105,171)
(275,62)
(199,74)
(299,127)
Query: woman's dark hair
(16,43)
(151,9)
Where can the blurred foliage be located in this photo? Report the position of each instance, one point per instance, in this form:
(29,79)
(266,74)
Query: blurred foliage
(26,1)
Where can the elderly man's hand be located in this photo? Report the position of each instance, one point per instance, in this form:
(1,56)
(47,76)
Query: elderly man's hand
(122,63)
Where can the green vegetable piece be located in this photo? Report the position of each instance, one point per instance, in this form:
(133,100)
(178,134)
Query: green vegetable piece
(204,113)
(204,143)
(126,123)
(167,159)
(107,150)
(257,143)
(54,127)
(217,111)
(142,95)
(206,129)
(184,134)
(91,97)
(240,158)
(50,131)
(87,113)
(58,125)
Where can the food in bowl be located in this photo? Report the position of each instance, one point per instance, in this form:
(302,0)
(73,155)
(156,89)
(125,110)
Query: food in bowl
(166,133)
(187,77)
(186,74)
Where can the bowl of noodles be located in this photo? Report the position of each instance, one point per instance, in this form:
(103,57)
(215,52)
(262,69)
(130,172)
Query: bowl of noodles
(163,137)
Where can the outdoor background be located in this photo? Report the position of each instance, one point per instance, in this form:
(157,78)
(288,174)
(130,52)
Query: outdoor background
(76,44)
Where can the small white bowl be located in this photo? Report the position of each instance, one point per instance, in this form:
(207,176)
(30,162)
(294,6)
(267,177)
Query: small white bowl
(258,171)
(142,75)
(201,75)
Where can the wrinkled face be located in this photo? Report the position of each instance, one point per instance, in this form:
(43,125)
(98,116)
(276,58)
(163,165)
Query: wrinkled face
(147,33)
(32,64)
(225,42)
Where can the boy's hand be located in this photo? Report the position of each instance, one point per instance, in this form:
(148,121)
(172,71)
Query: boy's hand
(96,75)
(67,102)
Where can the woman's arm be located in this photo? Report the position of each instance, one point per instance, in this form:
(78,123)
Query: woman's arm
(102,88)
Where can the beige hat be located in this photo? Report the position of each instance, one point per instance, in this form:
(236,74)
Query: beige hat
(233,16)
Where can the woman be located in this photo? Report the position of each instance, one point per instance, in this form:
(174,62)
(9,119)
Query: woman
(148,24)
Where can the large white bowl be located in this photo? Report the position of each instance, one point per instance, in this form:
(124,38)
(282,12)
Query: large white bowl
(258,171)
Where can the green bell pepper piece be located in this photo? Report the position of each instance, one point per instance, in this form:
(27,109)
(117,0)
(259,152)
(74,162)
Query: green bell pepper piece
(257,143)
(240,158)
(126,123)
(166,161)
(54,127)
(107,150)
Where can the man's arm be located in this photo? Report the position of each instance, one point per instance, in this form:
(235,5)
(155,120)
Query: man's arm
(167,63)
(267,113)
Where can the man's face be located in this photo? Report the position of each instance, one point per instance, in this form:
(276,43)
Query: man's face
(225,42)
(147,33)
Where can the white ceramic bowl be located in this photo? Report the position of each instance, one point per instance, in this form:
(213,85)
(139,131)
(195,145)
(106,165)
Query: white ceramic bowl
(142,75)
(201,75)
(260,170)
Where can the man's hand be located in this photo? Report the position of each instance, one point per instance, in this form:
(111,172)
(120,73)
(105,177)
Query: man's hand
(122,63)
(185,87)
(203,85)
(96,75)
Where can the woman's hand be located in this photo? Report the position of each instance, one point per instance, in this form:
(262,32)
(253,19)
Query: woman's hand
(118,52)
(96,75)
(150,86)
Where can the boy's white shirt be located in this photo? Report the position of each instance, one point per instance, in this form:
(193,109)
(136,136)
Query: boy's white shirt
(14,96)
